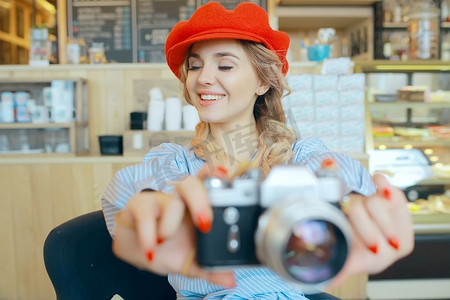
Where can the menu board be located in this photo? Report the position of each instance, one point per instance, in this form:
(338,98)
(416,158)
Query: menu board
(155,19)
(132,30)
(231,4)
(107,22)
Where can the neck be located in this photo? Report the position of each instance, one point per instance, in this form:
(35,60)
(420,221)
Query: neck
(239,141)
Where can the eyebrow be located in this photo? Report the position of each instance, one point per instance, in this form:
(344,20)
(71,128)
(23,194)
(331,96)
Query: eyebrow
(218,54)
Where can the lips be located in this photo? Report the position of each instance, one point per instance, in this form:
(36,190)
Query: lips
(210,99)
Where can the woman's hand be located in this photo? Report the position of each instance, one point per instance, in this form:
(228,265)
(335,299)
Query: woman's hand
(161,238)
(383,231)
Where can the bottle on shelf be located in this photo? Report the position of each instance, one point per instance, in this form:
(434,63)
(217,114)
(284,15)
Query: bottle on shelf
(397,15)
(423,30)
(444,11)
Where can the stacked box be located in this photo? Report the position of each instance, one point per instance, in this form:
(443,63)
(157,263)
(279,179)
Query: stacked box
(330,107)
(352,112)
(299,105)
(326,101)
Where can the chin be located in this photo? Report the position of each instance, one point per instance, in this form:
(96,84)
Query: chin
(210,119)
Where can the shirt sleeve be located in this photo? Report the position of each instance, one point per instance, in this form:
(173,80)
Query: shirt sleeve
(161,167)
(311,152)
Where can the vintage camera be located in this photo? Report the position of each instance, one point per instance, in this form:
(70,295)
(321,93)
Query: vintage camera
(289,221)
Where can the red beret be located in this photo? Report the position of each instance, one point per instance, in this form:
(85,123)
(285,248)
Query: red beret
(247,21)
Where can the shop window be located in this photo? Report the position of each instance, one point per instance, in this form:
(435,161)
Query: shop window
(22,55)
(5,53)
(4,16)
(20,22)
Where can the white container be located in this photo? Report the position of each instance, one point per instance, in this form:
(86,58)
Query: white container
(62,114)
(22,110)
(47,95)
(190,117)
(40,114)
(155,113)
(7,107)
(173,114)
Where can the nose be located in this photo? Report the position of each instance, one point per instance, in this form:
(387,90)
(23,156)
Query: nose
(207,75)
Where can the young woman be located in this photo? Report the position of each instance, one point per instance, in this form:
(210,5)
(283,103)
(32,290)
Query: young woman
(232,67)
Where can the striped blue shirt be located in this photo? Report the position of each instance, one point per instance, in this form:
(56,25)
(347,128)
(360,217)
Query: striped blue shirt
(169,163)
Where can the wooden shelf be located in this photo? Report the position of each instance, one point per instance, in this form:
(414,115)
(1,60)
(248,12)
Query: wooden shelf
(387,66)
(445,25)
(399,142)
(313,17)
(408,104)
(35,125)
(327,2)
(72,134)
(392,25)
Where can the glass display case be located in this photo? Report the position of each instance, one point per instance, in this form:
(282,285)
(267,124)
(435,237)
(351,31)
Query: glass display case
(409,106)
(409,109)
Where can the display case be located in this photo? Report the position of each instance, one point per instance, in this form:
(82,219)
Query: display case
(43,117)
(409,108)
(409,105)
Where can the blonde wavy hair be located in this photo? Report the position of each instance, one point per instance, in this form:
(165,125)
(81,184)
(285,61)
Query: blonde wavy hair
(275,138)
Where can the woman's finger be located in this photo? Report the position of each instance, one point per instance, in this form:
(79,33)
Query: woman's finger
(195,196)
(144,209)
(171,218)
(380,210)
(398,229)
(126,246)
(363,224)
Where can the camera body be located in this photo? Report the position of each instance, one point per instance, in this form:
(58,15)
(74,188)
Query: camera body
(287,221)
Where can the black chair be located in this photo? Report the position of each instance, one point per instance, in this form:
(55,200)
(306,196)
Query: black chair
(81,265)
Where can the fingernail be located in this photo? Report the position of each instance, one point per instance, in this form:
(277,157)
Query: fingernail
(373,248)
(386,194)
(150,256)
(393,241)
(220,171)
(159,240)
(328,162)
(203,223)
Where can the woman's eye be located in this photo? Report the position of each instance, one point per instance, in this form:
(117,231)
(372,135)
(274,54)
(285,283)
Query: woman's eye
(225,68)
(193,68)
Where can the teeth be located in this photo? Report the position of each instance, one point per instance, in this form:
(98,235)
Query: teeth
(210,97)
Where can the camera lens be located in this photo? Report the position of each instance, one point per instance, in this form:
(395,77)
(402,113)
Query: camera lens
(315,252)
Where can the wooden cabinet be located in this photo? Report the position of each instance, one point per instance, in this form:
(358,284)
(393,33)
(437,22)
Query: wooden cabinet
(51,117)
(37,195)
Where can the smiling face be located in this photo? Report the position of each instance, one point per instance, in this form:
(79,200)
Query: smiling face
(222,82)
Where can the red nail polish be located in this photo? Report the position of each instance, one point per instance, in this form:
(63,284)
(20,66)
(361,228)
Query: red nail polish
(222,170)
(328,162)
(393,241)
(373,248)
(159,240)
(203,223)
(386,194)
(150,256)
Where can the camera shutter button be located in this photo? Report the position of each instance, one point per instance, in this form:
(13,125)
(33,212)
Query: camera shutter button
(231,217)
